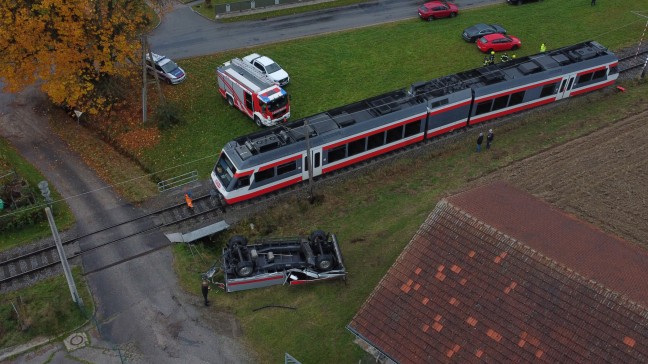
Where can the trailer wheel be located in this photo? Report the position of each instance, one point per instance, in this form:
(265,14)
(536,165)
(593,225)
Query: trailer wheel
(257,121)
(244,269)
(324,262)
(230,100)
(237,240)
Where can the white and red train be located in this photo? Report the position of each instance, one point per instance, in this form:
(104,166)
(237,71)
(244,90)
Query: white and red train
(271,159)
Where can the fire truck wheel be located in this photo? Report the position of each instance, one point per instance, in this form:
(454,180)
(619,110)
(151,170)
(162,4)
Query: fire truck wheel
(230,100)
(257,121)
(324,262)
(237,240)
(244,269)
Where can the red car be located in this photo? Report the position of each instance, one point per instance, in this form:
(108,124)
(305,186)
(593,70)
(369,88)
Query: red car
(498,43)
(437,9)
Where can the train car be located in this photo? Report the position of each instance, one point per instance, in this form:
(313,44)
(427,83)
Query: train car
(262,162)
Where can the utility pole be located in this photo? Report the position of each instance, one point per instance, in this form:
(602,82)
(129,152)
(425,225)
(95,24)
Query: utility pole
(146,51)
(144,80)
(66,267)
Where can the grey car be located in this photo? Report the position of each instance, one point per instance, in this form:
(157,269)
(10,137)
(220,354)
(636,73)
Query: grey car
(471,34)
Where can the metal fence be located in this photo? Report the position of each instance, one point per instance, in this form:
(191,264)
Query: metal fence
(253,4)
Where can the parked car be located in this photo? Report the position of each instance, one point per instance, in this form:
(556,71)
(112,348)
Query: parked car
(437,9)
(269,67)
(166,69)
(498,42)
(471,34)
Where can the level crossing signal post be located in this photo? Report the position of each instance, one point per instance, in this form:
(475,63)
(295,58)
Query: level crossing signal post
(66,266)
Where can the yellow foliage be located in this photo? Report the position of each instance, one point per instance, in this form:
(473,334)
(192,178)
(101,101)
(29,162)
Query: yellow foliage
(71,46)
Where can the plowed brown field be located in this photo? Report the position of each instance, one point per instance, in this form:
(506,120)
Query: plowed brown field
(601,178)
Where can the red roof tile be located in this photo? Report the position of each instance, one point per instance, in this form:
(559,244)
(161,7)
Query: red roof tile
(554,311)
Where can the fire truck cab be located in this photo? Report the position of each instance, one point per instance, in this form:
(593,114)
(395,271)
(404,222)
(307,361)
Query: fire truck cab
(252,92)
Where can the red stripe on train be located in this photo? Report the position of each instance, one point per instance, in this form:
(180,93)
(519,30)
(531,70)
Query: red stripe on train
(373,154)
(263,191)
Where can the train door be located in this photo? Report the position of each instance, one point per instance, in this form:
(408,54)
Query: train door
(565,86)
(316,157)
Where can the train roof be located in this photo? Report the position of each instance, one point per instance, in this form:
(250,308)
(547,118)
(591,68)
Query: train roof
(327,125)
(513,69)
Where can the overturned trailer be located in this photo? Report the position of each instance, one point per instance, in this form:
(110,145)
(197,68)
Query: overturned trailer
(275,261)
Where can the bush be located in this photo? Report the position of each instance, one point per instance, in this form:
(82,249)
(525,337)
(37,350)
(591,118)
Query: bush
(19,219)
(167,115)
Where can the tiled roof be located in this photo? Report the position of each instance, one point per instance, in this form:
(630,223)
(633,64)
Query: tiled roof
(484,280)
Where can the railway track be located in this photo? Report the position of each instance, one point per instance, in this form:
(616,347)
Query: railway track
(44,260)
(633,61)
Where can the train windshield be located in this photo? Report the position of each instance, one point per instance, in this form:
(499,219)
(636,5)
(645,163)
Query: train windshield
(224,170)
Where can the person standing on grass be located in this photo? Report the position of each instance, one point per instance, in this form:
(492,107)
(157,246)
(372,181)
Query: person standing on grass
(593,2)
(489,138)
(205,290)
(480,139)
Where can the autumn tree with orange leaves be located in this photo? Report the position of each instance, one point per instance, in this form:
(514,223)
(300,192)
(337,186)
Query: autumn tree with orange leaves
(79,51)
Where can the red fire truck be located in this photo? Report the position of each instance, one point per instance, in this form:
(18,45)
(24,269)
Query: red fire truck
(252,92)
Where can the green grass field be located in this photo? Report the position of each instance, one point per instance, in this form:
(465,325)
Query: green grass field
(45,309)
(340,68)
(210,12)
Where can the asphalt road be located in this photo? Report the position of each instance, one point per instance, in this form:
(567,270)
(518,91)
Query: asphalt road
(185,34)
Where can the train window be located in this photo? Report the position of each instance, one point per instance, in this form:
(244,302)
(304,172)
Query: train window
(412,128)
(376,140)
(614,70)
(394,134)
(264,175)
(224,169)
(337,153)
(439,103)
(357,146)
(287,167)
(500,102)
(584,78)
(248,101)
(516,98)
(599,74)
(484,107)
(242,182)
(548,90)
(317,159)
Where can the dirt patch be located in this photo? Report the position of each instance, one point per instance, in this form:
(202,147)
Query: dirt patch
(601,178)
